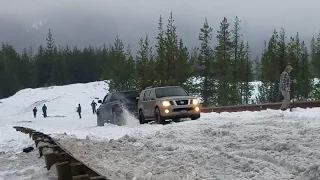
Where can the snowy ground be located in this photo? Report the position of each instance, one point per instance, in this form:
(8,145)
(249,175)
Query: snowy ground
(246,145)
(17,165)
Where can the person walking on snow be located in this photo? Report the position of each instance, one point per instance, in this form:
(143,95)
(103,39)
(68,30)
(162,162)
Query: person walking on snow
(35,112)
(44,110)
(284,87)
(79,111)
(94,105)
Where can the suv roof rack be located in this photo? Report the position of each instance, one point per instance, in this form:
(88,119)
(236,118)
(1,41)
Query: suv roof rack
(149,87)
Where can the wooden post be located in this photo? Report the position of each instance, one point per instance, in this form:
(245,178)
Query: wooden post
(64,171)
(63,156)
(77,169)
(50,159)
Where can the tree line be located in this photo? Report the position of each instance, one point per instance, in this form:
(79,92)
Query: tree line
(223,72)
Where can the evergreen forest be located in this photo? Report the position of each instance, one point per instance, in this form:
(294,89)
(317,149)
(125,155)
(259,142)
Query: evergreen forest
(220,73)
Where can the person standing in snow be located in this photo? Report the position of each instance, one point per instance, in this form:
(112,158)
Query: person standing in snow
(35,112)
(44,110)
(94,105)
(284,87)
(79,111)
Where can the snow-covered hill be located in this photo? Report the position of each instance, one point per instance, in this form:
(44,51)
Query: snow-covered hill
(263,145)
(60,100)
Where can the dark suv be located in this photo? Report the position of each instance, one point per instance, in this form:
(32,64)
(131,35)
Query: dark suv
(111,108)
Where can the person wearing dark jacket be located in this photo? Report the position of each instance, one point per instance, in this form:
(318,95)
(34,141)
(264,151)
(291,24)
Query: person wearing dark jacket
(94,105)
(44,110)
(35,112)
(79,111)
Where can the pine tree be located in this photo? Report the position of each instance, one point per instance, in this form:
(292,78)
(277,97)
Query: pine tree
(237,54)
(241,70)
(130,78)
(144,66)
(50,63)
(142,59)
(12,80)
(25,69)
(256,68)
(236,42)
(315,55)
(206,64)
(268,91)
(183,60)
(171,53)
(117,57)
(304,76)
(160,55)
(247,77)
(194,61)
(223,53)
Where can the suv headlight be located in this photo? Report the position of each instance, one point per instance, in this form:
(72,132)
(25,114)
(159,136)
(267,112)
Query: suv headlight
(195,101)
(165,103)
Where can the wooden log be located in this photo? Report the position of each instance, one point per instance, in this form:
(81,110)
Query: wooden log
(97,178)
(81,177)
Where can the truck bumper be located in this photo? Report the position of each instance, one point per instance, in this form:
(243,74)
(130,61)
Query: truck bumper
(175,112)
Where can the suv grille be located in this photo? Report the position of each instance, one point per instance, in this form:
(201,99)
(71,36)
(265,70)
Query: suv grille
(182,102)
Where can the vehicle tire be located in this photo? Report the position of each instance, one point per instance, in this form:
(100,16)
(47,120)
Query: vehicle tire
(176,120)
(158,117)
(195,117)
(118,118)
(100,123)
(141,117)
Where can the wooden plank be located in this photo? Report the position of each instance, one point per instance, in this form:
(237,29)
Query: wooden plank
(65,150)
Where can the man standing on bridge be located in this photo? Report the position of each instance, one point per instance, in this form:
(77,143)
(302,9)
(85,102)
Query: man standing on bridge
(284,87)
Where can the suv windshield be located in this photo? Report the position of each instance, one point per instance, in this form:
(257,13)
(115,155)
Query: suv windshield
(124,95)
(170,91)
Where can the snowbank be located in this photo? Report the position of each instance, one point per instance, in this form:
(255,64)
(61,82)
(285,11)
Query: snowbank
(246,145)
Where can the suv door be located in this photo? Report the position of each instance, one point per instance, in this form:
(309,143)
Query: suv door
(152,102)
(145,106)
(105,108)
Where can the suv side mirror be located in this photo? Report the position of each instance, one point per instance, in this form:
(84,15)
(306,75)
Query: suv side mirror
(100,101)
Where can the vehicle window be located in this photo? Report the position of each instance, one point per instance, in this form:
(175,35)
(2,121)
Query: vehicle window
(105,98)
(152,94)
(124,95)
(170,91)
(146,95)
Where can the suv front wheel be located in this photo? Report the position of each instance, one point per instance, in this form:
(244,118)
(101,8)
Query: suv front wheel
(141,117)
(100,122)
(158,117)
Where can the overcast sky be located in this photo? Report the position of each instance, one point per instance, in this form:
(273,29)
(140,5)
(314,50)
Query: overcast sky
(83,22)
